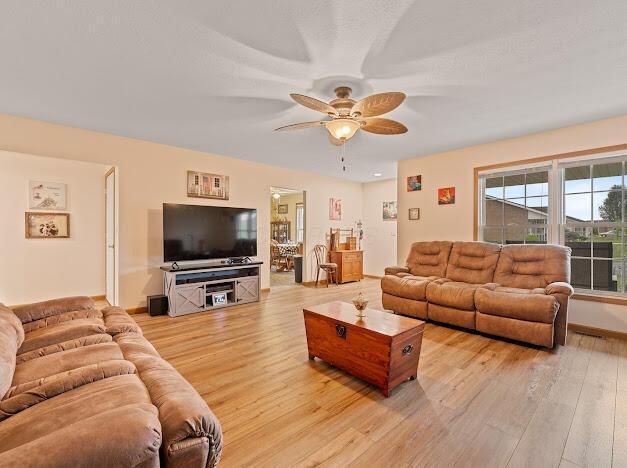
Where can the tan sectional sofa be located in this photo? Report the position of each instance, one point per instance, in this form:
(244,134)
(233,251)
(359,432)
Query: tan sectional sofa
(514,291)
(82,387)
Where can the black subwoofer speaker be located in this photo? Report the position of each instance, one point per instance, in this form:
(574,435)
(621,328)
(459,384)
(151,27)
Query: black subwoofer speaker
(157,305)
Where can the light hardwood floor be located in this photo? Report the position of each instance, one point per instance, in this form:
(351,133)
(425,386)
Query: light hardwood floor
(477,401)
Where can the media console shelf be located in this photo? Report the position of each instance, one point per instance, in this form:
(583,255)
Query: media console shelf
(193,288)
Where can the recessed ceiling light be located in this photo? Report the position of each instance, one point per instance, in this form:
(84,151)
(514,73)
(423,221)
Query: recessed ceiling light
(377,174)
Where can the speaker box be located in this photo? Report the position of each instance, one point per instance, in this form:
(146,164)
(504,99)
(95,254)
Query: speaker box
(157,305)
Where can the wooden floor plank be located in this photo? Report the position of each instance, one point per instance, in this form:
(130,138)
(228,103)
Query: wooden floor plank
(591,438)
(477,401)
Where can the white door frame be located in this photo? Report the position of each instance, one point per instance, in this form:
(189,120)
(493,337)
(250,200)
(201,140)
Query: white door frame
(111,277)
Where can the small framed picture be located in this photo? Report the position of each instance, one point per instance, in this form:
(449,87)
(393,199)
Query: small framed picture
(46,195)
(389,211)
(282,209)
(446,196)
(414,183)
(47,225)
(205,185)
(414,214)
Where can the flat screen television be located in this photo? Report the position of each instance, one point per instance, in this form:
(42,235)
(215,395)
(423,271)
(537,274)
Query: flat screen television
(194,232)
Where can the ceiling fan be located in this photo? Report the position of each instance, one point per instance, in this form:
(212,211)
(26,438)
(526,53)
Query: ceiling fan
(347,115)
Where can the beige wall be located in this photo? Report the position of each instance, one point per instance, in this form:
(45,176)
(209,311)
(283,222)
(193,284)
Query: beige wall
(151,174)
(37,269)
(290,200)
(379,242)
(455,168)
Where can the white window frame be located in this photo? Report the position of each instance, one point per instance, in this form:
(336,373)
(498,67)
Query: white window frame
(300,222)
(556,219)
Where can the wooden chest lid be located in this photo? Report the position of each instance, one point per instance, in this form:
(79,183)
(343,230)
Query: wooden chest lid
(376,321)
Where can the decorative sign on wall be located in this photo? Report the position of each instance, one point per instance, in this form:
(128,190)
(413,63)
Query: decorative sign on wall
(46,195)
(446,196)
(414,214)
(389,211)
(204,185)
(47,225)
(414,183)
(335,209)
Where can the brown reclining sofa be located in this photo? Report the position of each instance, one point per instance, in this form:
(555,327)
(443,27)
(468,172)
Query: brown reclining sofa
(82,387)
(519,292)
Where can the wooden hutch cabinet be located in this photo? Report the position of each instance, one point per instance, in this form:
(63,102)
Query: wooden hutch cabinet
(280,231)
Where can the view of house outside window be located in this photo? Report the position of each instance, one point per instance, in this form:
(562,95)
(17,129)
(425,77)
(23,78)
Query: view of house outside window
(519,207)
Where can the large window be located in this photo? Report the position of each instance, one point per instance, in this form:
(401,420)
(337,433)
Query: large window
(578,202)
(594,223)
(516,207)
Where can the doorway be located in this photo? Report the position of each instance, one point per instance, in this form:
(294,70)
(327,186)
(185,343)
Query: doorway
(287,236)
(110,238)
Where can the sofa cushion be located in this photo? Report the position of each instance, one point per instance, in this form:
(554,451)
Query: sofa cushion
(65,361)
(532,305)
(28,394)
(62,317)
(532,266)
(66,409)
(409,287)
(454,294)
(39,310)
(124,436)
(11,337)
(429,258)
(64,346)
(60,332)
(472,262)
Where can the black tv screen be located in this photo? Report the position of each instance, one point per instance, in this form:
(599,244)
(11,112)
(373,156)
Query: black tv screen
(193,232)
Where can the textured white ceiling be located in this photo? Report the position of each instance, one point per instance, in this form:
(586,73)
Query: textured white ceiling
(215,75)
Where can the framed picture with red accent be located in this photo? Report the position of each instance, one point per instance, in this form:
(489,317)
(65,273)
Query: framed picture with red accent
(446,196)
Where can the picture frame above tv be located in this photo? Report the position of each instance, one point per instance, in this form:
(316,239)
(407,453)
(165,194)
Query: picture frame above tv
(199,232)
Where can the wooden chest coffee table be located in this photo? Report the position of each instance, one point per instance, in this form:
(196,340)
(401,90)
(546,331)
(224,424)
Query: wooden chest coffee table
(382,349)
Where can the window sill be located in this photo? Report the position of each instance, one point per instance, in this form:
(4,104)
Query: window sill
(600,298)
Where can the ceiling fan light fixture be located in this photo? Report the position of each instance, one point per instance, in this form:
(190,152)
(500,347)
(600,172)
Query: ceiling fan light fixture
(342,129)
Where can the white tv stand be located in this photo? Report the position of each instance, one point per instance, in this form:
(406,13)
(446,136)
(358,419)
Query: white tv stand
(191,288)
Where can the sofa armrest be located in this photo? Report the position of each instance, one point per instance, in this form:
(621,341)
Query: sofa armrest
(393,270)
(559,287)
(39,310)
(117,320)
(192,435)
(126,436)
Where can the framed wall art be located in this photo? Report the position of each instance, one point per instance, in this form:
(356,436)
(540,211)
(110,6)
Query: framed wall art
(335,209)
(389,211)
(446,196)
(414,183)
(282,209)
(414,214)
(47,225)
(46,195)
(205,185)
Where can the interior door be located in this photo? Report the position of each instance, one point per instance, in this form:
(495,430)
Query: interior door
(110,236)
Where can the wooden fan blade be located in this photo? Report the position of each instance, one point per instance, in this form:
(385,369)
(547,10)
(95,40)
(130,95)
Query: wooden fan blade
(384,126)
(335,141)
(377,104)
(298,126)
(314,104)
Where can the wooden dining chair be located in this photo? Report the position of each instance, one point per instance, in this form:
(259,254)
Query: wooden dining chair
(330,269)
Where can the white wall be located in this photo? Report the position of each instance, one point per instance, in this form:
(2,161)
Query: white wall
(38,269)
(455,168)
(379,242)
(151,174)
